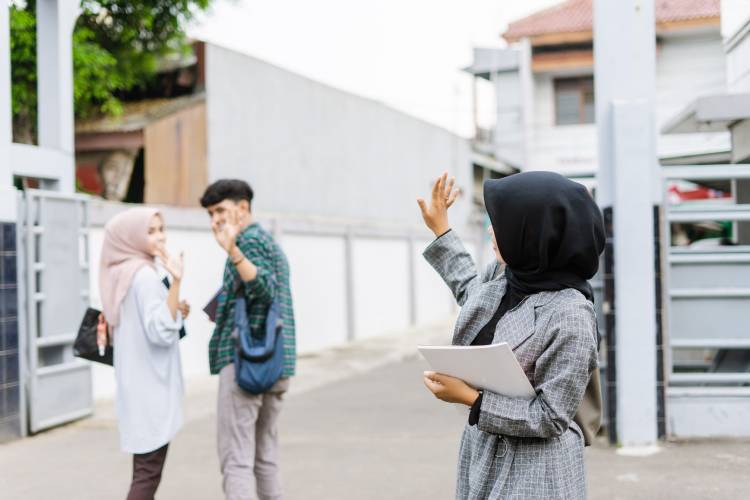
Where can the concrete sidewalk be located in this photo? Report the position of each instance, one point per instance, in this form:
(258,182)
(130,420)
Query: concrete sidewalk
(358,424)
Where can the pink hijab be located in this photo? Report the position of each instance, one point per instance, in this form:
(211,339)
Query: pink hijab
(124,252)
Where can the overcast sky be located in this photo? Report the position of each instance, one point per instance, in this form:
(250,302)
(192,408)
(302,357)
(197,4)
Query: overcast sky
(405,53)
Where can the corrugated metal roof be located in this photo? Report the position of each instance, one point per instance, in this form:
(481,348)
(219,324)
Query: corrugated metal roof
(136,115)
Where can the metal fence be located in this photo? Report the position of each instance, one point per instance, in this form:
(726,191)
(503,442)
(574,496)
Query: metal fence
(708,293)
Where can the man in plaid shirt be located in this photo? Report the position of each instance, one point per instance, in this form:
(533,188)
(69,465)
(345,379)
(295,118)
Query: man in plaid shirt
(257,269)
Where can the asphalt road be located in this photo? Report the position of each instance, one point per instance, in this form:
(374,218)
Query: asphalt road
(374,435)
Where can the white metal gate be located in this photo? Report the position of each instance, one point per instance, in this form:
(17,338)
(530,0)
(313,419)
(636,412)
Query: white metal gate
(709,312)
(56,282)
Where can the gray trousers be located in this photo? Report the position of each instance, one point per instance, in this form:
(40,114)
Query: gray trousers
(248,439)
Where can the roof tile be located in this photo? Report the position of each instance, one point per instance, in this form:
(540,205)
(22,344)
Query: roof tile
(574,16)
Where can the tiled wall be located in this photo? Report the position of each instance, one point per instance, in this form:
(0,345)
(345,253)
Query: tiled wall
(10,420)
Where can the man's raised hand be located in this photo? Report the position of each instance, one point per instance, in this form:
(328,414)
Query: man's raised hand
(226,233)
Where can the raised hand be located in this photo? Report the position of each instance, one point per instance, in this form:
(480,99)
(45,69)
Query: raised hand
(173,265)
(226,233)
(435,214)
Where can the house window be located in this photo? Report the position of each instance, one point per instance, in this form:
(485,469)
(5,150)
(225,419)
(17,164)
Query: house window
(574,100)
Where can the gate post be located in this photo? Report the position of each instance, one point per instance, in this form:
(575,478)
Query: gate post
(55,22)
(629,194)
(6,124)
(12,413)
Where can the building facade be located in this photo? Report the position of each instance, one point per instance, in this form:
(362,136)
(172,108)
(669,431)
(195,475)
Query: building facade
(544,86)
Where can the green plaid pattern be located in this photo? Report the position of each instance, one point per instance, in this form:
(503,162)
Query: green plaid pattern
(272,281)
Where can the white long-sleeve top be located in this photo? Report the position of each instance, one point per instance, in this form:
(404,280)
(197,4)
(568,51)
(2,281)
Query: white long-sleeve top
(147,366)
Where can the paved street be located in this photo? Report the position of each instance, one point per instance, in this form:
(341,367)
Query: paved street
(360,427)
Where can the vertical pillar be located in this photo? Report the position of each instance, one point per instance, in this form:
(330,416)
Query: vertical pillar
(55,22)
(6,124)
(628,192)
(12,412)
(412,277)
(526,79)
(351,310)
(475,104)
(635,299)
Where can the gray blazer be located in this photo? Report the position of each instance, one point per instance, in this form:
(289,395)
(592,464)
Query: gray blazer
(522,449)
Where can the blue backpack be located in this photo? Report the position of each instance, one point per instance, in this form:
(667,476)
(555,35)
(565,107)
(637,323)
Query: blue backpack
(258,362)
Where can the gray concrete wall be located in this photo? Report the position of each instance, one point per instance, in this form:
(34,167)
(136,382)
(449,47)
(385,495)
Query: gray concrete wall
(310,149)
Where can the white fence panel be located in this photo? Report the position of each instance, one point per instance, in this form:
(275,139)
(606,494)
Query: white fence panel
(318,281)
(381,286)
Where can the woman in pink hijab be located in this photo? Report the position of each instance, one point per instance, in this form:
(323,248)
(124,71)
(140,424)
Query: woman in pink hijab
(145,319)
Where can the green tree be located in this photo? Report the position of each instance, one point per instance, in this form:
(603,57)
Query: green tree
(117,45)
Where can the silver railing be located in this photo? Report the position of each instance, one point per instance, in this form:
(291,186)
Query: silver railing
(707,293)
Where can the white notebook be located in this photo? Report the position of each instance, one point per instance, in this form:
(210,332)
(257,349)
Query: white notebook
(493,367)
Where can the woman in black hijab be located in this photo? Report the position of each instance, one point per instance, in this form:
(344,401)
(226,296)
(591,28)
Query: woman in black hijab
(547,234)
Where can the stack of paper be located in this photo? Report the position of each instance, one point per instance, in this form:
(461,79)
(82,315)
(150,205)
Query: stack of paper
(493,367)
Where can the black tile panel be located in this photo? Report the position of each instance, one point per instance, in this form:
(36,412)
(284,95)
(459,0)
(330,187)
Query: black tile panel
(9,367)
(9,360)
(8,301)
(8,270)
(9,236)
(12,400)
(8,334)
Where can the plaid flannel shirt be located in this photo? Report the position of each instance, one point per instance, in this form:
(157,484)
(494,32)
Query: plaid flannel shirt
(271,282)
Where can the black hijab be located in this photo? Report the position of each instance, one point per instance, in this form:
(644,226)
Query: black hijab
(548,229)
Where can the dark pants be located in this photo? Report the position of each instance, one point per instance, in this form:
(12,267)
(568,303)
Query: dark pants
(147,469)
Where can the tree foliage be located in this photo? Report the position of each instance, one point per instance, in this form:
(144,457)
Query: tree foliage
(117,45)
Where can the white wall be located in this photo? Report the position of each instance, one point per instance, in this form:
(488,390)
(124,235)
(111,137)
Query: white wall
(318,282)
(738,66)
(307,148)
(734,15)
(381,286)
(509,126)
(318,270)
(688,68)
(735,28)
(544,100)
